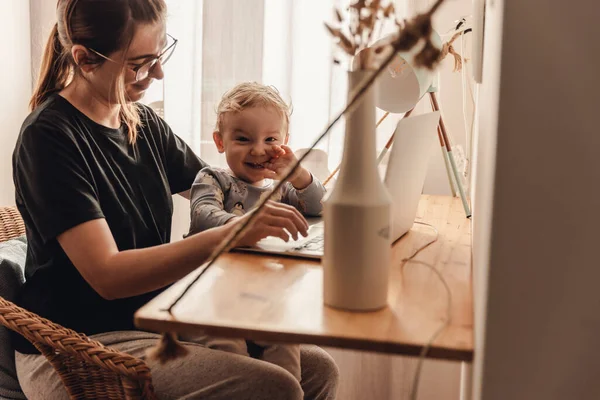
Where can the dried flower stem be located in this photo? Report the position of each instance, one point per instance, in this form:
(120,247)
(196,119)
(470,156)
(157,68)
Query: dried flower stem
(406,39)
(236,233)
(364,16)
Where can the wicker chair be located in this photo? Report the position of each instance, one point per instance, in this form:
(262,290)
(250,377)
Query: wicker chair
(87,368)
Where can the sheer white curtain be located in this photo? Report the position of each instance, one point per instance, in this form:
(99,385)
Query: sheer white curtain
(222,43)
(279,43)
(276,42)
(16,87)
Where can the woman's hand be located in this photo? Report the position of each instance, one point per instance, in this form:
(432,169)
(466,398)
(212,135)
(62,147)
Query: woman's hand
(116,274)
(282,159)
(274,219)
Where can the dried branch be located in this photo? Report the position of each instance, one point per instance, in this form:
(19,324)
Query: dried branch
(338,15)
(389,11)
(344,42)
(375,6)
(359,5)
(364,18)
(404,41)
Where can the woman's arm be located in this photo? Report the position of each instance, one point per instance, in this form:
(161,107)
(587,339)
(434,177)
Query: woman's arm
(117,274)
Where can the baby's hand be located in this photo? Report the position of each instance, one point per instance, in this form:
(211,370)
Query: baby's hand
(282,159)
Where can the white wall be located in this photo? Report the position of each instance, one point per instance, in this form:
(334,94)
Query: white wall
(15,87)
(483,176)
(542,319)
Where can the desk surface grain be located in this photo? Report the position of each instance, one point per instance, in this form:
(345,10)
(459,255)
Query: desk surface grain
(280,299)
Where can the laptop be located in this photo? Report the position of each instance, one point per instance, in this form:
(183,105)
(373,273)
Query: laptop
(414,140)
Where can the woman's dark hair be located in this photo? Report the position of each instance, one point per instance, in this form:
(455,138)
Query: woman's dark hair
(103,25)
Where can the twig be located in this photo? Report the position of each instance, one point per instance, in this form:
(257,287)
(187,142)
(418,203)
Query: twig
(415,30)
(236,233)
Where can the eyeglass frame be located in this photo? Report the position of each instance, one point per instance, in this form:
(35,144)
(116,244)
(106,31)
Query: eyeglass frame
(154,60)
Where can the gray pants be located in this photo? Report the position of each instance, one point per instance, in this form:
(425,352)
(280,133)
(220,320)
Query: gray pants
(203,374)
(287,356)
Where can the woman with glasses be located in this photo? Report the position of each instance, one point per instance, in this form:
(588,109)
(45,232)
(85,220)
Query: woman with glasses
(94,173)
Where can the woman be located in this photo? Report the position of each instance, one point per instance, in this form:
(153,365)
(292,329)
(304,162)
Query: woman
(94,174)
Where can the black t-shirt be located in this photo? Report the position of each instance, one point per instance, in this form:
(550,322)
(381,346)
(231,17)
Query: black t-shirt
(68,170)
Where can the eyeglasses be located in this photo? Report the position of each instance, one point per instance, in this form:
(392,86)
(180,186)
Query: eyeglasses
(143,70)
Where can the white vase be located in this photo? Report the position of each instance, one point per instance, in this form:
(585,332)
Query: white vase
(357,216)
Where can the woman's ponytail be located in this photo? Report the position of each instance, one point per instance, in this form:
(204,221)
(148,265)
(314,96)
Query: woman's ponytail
(54,72)
(105,26)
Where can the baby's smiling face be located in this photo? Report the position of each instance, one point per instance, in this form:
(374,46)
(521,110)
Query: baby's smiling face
(247,138)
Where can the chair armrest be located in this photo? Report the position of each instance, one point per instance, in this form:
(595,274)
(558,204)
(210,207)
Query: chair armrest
(53,339)
(11,223)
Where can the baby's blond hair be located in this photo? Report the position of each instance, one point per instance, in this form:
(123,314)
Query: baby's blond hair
(252,94)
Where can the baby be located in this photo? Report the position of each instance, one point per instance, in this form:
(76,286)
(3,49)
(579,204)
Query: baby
(252,130)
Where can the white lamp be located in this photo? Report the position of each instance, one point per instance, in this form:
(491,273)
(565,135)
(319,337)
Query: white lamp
(401,88)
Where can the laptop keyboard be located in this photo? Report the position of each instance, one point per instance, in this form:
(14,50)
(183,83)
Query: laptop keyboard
(311,246)
(317,243)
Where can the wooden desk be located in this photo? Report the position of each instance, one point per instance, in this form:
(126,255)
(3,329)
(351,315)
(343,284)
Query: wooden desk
(280,299)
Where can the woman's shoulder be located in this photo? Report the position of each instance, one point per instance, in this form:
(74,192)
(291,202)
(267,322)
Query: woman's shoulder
(52,110)
(148,114)
(150,120)
(49,117)
(152,125)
